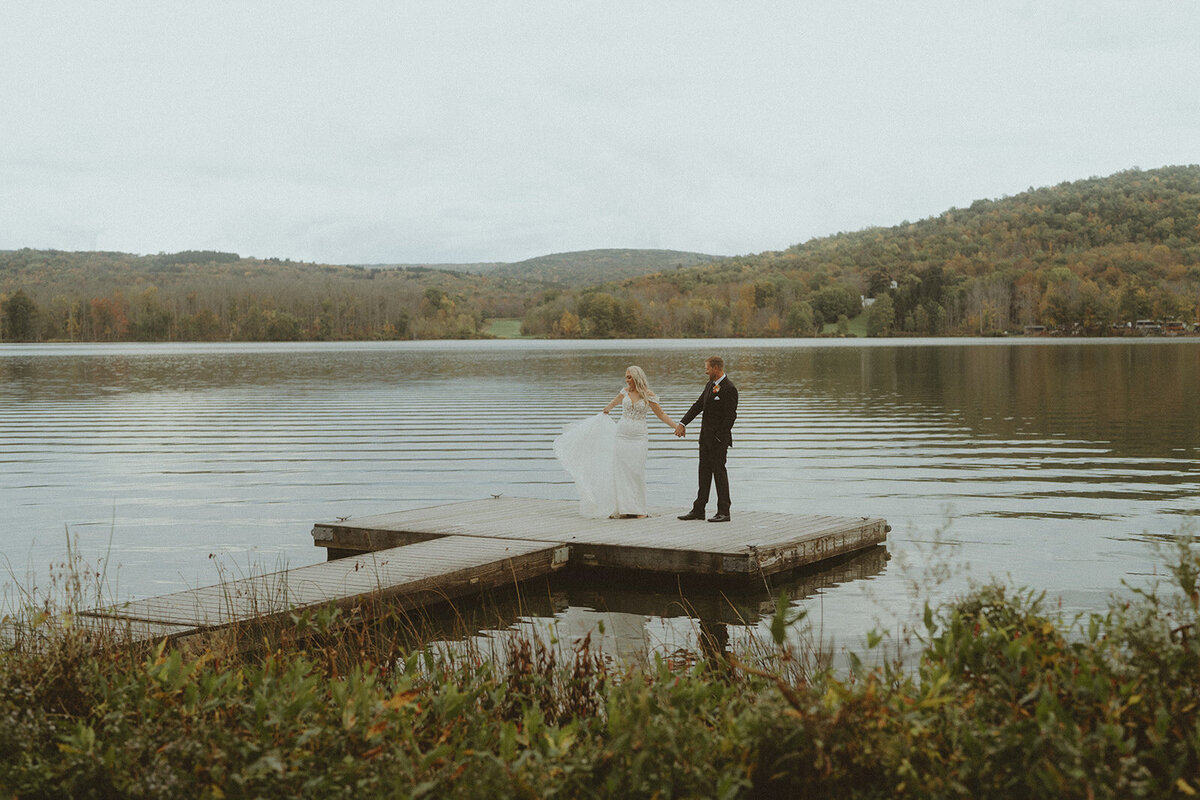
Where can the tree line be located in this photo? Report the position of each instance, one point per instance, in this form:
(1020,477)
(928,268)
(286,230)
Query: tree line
(50,295)
(1084,255)
(1081,256)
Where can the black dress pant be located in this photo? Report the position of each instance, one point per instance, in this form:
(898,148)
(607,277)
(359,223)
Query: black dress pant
(712,470)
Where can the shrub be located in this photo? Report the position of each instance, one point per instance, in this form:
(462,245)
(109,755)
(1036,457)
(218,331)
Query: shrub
(1007,700)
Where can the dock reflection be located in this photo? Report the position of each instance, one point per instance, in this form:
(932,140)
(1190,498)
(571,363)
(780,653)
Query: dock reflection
(630,618)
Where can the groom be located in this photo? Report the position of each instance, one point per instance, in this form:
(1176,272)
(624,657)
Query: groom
(717,406)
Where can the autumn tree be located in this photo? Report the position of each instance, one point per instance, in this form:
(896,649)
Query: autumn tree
(19,318)
(836,301)
(800,320)
(881,316)
(567,326)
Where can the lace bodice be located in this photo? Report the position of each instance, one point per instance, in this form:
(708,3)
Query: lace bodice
(634,411)
(634,415)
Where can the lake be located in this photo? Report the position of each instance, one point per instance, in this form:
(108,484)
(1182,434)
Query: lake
(1049,463)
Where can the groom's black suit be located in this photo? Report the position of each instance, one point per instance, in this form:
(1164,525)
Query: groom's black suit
(717,406)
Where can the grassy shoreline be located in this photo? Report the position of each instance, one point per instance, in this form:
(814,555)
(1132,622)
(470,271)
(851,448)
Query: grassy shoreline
(1008,699)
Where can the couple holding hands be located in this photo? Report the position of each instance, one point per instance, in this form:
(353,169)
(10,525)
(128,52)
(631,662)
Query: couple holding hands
(608,463)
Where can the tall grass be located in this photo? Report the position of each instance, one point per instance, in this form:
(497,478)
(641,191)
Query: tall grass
(1008,699)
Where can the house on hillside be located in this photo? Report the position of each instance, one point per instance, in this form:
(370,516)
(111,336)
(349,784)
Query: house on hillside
(867,302)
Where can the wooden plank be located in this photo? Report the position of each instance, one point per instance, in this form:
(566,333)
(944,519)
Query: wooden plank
(814,549)
(749,561)
(107,630)
(476,517)
(438,568)
(504,517)
(130,630)
(559,521)
(658,559)
(366,539)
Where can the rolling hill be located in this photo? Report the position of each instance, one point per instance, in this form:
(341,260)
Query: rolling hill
(579,268)
(1080,257)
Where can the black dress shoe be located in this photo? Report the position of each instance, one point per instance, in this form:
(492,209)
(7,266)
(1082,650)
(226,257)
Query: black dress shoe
(719,518)
(692,515)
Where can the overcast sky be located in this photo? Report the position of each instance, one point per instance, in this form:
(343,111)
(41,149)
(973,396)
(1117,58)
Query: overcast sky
(356,132)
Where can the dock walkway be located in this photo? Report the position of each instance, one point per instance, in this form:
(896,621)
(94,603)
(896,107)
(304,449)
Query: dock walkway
(422,556)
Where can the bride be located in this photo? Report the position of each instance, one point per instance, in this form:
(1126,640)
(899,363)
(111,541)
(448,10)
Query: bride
(607,461)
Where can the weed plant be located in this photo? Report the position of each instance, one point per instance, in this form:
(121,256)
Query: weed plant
(1008,700)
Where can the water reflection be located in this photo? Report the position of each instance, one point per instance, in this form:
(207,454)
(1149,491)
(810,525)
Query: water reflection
(1055,461)
(634,616)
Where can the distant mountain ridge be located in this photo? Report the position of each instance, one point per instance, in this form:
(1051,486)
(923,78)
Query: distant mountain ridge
(577,268)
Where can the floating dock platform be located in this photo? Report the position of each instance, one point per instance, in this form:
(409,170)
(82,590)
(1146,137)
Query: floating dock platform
(416,558)
(752,544)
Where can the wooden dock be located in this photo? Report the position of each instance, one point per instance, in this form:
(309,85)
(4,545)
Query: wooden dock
(754,543)
(417,558)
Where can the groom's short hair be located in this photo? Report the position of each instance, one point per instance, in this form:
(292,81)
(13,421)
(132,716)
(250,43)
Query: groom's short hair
(715,361)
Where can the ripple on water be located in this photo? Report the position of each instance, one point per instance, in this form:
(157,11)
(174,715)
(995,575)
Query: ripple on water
(158,457)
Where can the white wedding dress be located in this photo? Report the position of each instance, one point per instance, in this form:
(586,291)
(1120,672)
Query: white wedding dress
(607,460)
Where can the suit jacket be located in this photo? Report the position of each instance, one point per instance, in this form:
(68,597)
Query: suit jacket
(718,411)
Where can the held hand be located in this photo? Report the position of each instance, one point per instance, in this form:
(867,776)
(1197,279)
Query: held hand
(680,430)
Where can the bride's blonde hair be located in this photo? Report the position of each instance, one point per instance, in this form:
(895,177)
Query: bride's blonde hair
(639,382)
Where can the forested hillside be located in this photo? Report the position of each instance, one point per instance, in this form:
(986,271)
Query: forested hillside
(579,268)
(589,267)
(1079,256)
(207,296)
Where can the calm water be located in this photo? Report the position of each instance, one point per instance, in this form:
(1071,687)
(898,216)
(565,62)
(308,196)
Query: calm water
(1051,463)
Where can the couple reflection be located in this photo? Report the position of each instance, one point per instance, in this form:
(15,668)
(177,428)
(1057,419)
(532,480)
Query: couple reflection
(630,621)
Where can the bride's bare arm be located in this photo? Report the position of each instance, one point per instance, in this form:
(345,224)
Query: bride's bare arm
(658,412)
(612,404)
